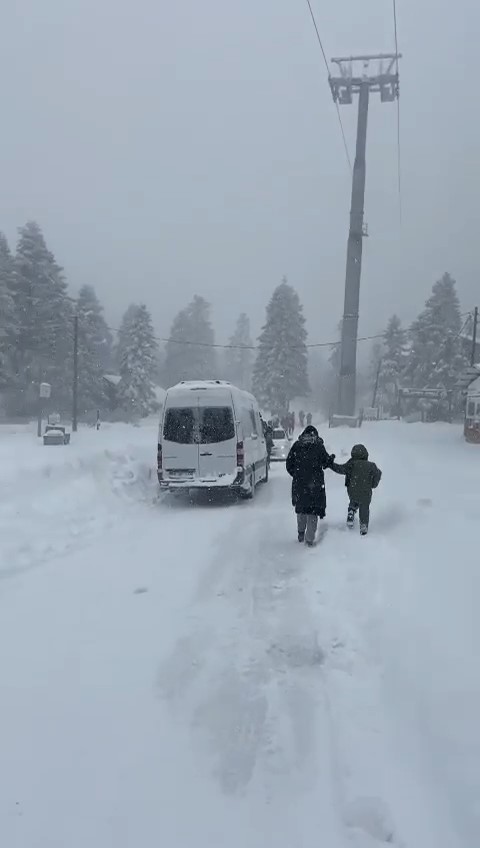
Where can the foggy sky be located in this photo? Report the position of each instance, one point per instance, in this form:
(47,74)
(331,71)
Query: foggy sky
(168,149)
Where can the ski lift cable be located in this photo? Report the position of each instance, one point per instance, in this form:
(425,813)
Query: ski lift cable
(342,130)
(399,160)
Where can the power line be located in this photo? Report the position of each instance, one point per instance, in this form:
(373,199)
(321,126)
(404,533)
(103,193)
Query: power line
(249,347)
(399,161)
(165,340)
(467,319)
(289,347)
(328,75)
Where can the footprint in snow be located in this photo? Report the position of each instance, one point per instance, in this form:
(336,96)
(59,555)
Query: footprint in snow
(372,816)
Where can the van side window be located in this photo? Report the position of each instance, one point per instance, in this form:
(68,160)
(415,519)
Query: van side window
(253,422)
(471,409)
(179,426)
(216,424)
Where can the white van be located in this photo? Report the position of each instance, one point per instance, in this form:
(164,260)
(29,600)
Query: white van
(211,436)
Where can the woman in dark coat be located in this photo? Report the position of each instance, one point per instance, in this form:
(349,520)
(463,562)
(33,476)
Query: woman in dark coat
(306,463)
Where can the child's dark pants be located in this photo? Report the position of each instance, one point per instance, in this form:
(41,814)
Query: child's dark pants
(363,507)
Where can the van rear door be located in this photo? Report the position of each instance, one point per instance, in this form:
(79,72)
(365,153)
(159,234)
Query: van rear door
(218,442)
(180,442)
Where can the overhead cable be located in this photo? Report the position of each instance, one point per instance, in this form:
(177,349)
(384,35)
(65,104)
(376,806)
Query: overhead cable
(328,75)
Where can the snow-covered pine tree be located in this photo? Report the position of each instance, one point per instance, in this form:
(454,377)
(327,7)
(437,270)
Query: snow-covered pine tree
(188,353)
(436,359)
(394,359)
(281,367)
(319,374)
(137,362)
(94,350)
(374,370)
(7,315)
(333,371)
(239,356)
(44,316)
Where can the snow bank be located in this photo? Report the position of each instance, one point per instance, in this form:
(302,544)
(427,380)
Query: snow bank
(54,497)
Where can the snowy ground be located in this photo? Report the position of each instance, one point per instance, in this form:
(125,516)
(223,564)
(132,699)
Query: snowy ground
(190,677)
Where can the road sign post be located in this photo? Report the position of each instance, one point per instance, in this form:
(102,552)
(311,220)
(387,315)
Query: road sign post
(44,393)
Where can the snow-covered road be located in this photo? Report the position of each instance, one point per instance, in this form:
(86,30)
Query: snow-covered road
(190,676)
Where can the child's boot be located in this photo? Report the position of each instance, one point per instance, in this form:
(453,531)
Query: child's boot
(350,517)
(363,529)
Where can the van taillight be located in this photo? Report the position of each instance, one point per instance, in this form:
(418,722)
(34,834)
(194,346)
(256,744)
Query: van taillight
(240,455)
(159,458)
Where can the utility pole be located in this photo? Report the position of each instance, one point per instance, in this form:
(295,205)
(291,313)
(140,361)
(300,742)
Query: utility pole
(343,87)
(75,375)
(473,354)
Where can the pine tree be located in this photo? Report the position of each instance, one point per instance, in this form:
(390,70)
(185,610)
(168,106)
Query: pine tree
(239,356)
(43,313)
(319,374)
(7,315)
(94,350)
(333,374)
(374,375)
(394,357)
(189,354)
(281,368)
(436,358)
(137,361)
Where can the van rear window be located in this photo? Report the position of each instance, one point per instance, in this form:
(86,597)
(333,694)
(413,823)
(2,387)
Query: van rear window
(179,425)
(216,424)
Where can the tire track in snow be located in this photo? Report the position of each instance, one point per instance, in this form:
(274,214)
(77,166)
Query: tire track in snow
(245,678)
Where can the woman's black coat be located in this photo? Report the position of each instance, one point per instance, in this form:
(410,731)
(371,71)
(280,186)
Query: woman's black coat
(305,464)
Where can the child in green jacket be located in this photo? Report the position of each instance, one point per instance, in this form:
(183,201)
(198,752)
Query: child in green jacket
(361,477)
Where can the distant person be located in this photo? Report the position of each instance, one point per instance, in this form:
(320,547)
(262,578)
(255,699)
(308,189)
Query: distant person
(268,434)
(306,463)
(309,419)
(292,423)
(301,418)
(361,477)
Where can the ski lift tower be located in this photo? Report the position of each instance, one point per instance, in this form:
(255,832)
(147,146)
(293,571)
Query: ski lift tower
(355,77)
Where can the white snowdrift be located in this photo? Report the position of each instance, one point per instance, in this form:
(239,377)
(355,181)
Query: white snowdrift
(54,498)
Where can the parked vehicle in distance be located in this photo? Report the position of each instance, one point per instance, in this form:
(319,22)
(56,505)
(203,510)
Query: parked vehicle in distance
(211,437)
(55,434)
(281,445)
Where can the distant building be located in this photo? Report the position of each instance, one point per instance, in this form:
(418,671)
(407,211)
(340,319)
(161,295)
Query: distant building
(112,382)
(472,405)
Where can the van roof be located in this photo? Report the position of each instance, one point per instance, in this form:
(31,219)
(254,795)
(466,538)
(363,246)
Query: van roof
(216,391)
(200,384)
